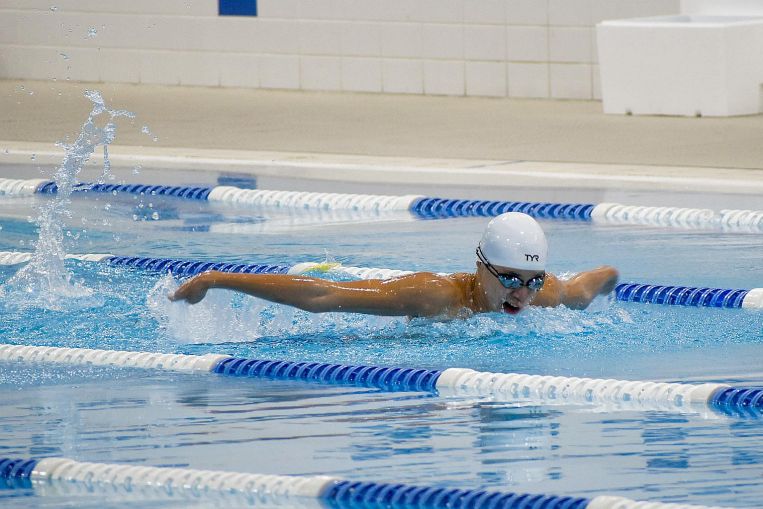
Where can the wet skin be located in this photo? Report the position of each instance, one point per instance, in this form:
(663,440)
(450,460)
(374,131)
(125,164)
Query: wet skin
(422,294)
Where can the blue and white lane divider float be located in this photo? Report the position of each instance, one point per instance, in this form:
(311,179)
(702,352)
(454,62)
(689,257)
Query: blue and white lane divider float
(259,489)
(419,206)
(625,292)
(451,382)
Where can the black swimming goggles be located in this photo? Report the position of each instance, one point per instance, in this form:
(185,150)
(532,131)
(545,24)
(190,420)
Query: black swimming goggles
(511,280)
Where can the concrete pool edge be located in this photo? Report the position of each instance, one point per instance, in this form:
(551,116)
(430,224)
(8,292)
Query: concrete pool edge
(409,170)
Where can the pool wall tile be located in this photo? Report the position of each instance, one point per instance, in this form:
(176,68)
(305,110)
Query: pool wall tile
(486,79)
(570,44)
(402,76)
(320,38)
(497,48)
(528,80)
(321,73)
(442,41)
(360,39)
(239,70)
(484,42)
(444,77)
(361,74)
(279,71)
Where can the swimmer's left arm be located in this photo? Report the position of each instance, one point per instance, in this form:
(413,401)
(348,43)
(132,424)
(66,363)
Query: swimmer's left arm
(419,294)
(578,291)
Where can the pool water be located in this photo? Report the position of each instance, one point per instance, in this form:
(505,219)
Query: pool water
(209,422)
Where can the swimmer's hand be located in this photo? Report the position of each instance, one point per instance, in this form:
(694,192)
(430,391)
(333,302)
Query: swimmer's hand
(192,291)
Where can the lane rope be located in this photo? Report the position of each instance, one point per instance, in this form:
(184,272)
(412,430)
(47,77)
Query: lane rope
(125,479)
(450,382)
(418,205)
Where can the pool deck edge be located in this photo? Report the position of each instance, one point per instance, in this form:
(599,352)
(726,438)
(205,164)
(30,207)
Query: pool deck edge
(409,170)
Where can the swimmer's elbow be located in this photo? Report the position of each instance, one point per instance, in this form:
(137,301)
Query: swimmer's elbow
(580,291)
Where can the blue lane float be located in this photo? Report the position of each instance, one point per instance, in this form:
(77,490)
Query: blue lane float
(437,208)
(424,207)
(16,473)
(190,268)
(681,295)
(189,193)
(450,382)
(63,476)
(388,379)
(349,495)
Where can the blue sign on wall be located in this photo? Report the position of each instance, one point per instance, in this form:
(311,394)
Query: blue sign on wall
(237,7)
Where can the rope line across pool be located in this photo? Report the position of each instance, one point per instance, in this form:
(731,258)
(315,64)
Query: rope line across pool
(456,382)
(419,206)
(67,476)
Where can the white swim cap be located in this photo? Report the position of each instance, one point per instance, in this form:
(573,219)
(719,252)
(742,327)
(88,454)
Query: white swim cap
(516,241)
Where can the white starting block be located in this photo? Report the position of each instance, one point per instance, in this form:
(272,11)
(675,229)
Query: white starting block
(707,61)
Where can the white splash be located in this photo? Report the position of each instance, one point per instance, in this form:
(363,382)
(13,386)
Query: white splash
(45,282)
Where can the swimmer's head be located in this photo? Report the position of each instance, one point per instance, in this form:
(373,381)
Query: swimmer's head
(511,262)
(514,240)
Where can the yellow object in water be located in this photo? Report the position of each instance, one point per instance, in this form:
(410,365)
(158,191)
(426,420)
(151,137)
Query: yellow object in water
(325,266)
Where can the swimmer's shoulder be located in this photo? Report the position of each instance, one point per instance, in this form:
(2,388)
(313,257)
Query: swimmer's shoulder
(458,279)
(446,295)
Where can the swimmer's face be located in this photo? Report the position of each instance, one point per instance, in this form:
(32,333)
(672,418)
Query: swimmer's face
(506,300)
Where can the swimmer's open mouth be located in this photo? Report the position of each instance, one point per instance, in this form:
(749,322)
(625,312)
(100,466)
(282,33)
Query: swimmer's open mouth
(512,310)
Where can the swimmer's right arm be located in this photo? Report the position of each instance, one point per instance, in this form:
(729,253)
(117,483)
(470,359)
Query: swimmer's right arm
(421,294)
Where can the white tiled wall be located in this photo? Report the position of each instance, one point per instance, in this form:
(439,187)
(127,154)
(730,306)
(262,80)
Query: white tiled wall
(494,48)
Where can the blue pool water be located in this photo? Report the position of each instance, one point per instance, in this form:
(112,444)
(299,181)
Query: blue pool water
(207,422)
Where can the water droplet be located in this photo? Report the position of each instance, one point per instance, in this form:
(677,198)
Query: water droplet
(91,33)
(156,138)
(114,192)
(33,157)
(145,130)
(31,92)
(135,217)
(107,206)
(53,8)
(155,216)
(64,56)
(7,151)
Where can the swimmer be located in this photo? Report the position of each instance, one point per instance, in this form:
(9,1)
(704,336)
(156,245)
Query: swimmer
(510,275)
